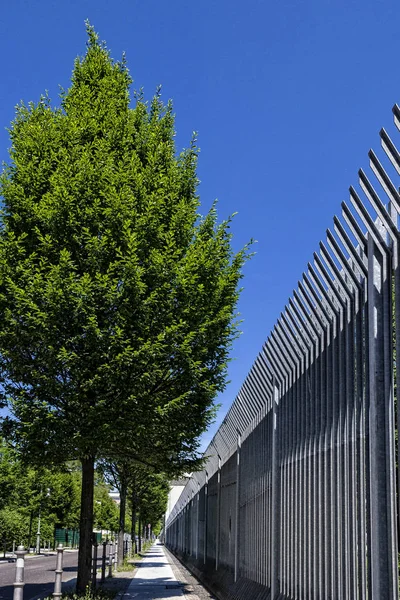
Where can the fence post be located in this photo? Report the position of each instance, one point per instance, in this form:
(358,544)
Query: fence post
(198,521)
(237,525)
(94,576)
(103,563)
(218,514)
(274,495)
(110,558)
(19,574)
(59,570)
(382,464)
(205,517)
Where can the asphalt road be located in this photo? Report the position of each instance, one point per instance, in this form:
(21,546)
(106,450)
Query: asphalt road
(39,575)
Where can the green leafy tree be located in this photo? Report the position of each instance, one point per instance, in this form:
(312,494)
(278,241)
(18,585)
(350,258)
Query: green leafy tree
(13,527)
(106,511)
(119,474)
(152,493)
(25,491)
(117,301)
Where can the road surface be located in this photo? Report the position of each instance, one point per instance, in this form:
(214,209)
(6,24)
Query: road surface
(39,575)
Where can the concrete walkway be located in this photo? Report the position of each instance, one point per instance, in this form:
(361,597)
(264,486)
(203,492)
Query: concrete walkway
(154,579)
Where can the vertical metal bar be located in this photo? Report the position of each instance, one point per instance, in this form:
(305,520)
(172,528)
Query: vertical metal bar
(384,575)
(94,566)
(237,534)
(396,382)
(110,558)
(205,518)
(198,521)
(274,495)
(292,471)
(297,484)
(218,524)
(103,563)
(360,450)
(322,492)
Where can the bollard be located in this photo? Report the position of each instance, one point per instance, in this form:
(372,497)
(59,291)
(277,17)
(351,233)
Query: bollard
(94,576)
(59,571)
(110,559)
(103,563)
(19,574)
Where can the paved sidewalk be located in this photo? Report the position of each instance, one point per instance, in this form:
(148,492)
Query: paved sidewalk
(154,579)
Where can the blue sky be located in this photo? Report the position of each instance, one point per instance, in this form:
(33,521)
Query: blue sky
(287,97)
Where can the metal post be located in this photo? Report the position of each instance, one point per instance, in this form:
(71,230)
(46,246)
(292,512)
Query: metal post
(383,557)
(237,537)
(59,570)
(103,563)
(274,496)
(115,554)
(218,527)
(94,576)
(205,518)
(38,534)
(19,574)
(110,558)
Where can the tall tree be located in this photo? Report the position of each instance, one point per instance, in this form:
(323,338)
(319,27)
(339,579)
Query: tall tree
(117,301)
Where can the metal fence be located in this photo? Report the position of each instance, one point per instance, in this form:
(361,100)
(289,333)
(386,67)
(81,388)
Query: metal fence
(298,498)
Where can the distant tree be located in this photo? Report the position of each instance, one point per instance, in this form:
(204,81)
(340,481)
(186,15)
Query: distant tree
(141,483)
(117,301)
(13,527)
(25,491)
(152,493)
(106,511)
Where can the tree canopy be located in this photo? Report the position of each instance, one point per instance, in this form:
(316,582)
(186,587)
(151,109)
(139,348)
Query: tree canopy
(117,299)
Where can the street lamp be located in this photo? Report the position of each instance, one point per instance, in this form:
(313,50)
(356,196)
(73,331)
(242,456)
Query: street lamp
(38,532)
(38,529)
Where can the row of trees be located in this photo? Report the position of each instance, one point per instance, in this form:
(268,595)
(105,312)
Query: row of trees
(27,492)
(117,300)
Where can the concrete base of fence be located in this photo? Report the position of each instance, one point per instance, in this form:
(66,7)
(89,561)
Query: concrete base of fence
(221,582)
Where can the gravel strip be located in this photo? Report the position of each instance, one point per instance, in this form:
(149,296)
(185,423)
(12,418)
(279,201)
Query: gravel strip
(192,588)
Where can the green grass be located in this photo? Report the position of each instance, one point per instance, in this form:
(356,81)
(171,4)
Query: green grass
(128,564)
(99,594)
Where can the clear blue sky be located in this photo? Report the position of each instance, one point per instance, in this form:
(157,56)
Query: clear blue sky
(287,97)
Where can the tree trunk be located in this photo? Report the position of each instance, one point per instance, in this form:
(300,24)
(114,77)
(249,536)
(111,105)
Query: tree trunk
(86,525)
(133,530)
(140,533)
(121,528)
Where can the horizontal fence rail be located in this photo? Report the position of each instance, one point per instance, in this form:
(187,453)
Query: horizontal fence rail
(298,498)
